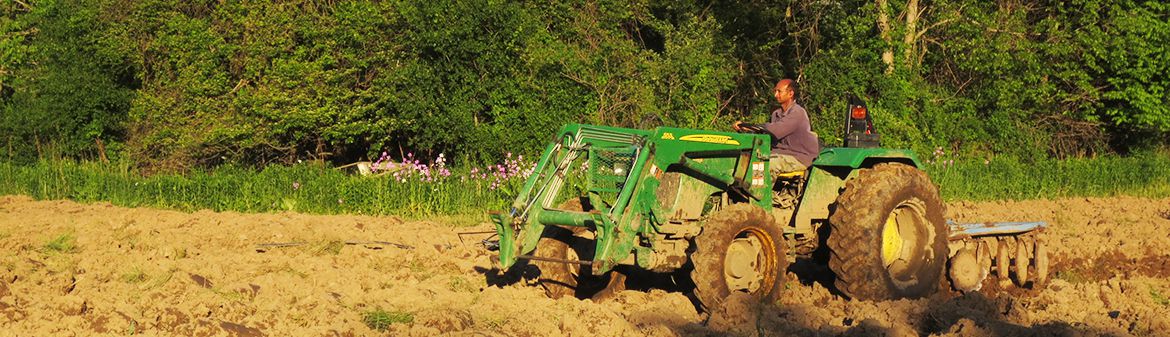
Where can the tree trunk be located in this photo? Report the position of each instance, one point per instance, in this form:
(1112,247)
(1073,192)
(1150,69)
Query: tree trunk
(883,23)
(911,37)
(101,147)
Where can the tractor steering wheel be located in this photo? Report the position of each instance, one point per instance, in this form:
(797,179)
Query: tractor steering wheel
(753,128)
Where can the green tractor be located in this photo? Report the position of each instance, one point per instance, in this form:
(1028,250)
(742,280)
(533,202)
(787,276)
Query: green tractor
(702,205)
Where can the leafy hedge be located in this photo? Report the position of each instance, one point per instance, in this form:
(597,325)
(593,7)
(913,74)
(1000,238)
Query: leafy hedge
(177,85)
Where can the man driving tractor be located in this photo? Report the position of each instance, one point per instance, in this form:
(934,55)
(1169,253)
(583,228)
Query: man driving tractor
(794,145)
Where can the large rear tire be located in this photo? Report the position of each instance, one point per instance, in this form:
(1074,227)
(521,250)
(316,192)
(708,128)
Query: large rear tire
(739,250)
(889,236)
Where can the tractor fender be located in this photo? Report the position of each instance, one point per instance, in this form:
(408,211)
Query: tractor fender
(864,157)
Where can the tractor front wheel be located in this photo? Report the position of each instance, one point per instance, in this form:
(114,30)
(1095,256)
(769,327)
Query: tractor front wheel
(739,250)
(557,279)
(888,237)
(561,279)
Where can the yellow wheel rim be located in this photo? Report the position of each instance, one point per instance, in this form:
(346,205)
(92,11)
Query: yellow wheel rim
(892,241)
(903,234)
(750,260)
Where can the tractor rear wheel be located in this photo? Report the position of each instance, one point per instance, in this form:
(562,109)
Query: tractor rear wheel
(739,250)
(565,279)
(888,237)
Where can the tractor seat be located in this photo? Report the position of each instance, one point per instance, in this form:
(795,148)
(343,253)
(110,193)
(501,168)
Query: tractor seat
(790,175)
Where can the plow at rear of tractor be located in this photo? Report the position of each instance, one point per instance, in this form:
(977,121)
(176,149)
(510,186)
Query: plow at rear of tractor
(1013,250)
(702,206)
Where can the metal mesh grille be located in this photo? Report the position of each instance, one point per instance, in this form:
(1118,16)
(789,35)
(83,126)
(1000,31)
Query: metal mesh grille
(608,169)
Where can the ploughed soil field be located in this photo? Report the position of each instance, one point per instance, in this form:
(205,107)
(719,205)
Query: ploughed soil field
(70,269)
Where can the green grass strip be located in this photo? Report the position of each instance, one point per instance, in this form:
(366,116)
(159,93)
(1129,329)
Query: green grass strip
(301,188)
(1143,175)
(314,189)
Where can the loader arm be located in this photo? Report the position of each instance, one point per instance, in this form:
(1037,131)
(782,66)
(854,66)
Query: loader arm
(620,171)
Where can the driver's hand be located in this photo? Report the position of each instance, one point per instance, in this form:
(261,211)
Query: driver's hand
(735,126)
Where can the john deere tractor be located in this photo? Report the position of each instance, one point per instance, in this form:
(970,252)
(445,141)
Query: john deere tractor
(703,206)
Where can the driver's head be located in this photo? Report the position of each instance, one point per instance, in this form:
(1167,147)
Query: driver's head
(785,91)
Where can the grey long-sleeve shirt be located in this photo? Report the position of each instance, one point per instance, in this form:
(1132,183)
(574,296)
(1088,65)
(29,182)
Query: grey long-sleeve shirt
(792,134)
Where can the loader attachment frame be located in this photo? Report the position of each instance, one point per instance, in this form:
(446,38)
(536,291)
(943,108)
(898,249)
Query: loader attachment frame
(620,173)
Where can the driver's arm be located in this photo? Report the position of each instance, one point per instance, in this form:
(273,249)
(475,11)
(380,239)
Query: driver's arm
(787,125)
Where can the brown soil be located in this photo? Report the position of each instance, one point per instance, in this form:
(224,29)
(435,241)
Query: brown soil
(120,271)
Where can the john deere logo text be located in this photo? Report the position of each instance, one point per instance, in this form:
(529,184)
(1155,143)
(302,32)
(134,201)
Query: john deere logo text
(713,139)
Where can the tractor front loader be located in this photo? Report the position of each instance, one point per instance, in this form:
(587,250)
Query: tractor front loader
(703,206)
(666,200)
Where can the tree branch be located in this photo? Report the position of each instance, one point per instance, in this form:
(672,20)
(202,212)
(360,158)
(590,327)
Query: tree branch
(26,6)
(928,28)
(721,108)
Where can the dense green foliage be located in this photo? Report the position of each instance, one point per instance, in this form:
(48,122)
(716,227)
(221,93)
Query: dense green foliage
(314,189)
(179,85)
(62,82)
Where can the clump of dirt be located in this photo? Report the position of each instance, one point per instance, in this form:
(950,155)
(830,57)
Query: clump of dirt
(96,269)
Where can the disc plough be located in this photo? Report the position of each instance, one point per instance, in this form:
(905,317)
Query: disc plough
(1012,251)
